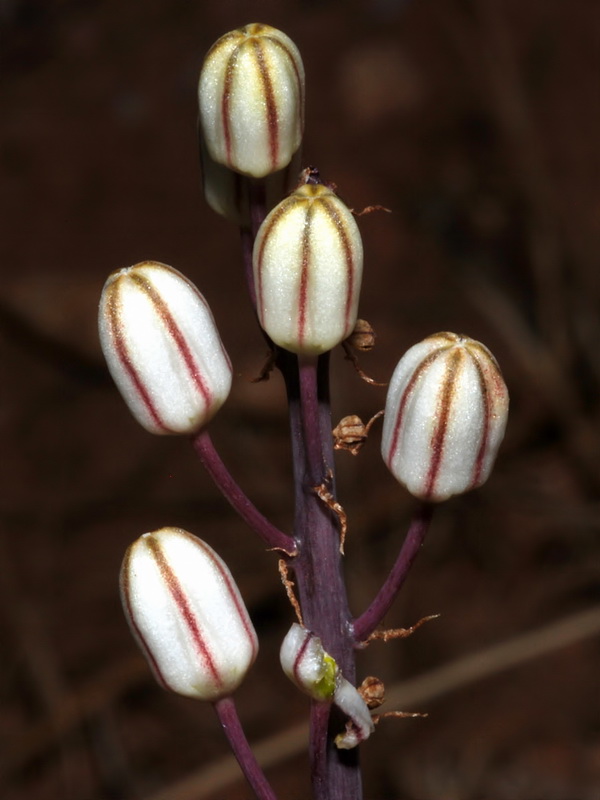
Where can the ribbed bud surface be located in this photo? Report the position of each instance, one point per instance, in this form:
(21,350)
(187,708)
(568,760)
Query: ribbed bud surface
(445,416)
(162,348)
(187,614)
(251,96)
(307,261)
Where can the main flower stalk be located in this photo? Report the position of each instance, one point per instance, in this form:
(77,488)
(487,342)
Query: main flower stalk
(318,567)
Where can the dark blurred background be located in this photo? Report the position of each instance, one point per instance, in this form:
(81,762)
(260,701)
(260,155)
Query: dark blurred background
(477,123)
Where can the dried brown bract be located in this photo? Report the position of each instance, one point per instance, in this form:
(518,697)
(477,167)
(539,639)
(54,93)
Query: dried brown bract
(372,691)
(362,337)
(351,433)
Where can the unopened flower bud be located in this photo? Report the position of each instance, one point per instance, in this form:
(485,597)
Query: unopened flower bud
(307,261)
(445,416)
(162,348)
(307,664)
(187,615)
(251,95)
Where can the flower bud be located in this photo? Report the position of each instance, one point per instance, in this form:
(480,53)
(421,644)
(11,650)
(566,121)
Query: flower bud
(307,271)
(251,95)
(187,615)
(312,669)
(445,416)
(162,348)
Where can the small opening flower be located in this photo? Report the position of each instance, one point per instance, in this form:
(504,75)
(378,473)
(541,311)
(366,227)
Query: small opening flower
(307,664)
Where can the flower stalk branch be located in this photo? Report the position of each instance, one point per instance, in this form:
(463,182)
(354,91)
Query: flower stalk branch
(212,462)
(232,727)
(368,621)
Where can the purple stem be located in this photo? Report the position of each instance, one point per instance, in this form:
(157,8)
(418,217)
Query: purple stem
(310,417)
(229,719)
(205,450)
(318,567)
(372,617)
(319,723)
(247,242)
(258,211)
(258,205)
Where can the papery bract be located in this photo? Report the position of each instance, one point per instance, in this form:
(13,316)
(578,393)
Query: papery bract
(187,614)
(251,97)
(445,416)
(307,261)
(162,348)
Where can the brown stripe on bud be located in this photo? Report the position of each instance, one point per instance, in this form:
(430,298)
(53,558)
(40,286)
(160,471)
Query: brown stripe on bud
(337,220)
(184,610)
(117,335)
(268,226)
(406,395)
(447,397)
(175,333)
(270,103)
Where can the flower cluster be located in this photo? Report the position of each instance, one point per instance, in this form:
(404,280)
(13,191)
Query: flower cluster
(444,420)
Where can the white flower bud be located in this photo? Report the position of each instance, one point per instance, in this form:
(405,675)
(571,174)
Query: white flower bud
(445,416)
(162,348)
(187,615)
(315,672)
(307,261)
(251,96)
